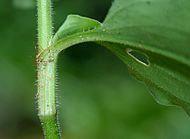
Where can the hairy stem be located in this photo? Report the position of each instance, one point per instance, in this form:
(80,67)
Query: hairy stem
(44,23)
(46,74)
(47,97)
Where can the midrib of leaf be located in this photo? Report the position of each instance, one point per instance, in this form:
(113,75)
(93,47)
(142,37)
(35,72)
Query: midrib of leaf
(101,35)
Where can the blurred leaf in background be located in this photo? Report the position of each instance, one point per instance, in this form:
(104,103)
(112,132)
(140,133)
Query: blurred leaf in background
(24,4)
(98,99)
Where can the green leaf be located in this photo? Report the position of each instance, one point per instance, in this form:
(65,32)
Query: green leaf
(150,36)
(75,24)
(160,29)
(24,4)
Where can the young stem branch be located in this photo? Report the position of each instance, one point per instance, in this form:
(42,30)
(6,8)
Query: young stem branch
(46,73)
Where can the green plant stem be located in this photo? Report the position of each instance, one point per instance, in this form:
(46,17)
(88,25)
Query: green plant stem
(44,24)
(46,73)
(47,97)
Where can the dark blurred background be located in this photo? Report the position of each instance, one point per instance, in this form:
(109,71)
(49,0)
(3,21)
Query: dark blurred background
(97,97)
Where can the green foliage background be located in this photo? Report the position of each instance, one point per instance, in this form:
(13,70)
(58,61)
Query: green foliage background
(98,98)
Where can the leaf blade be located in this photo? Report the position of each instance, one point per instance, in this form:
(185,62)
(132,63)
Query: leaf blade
(151,27)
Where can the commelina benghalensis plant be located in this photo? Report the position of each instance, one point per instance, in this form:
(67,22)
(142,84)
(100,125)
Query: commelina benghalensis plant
(152,37)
